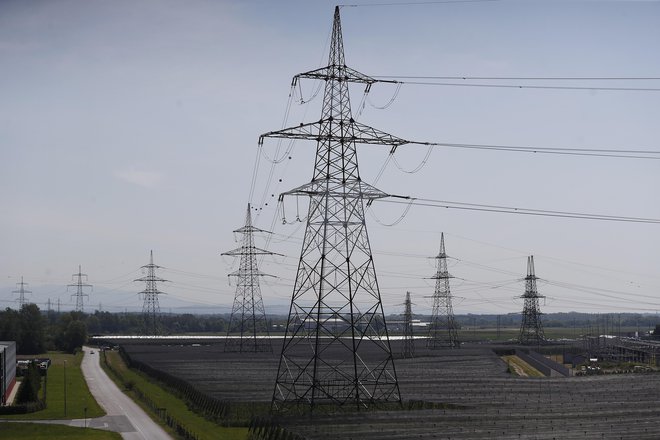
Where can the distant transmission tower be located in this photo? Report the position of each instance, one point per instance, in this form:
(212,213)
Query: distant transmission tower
(336,347)
(531,328)
(408,339)
(150,307)
(248,316)
(443,330)
(79,285)
(21,293)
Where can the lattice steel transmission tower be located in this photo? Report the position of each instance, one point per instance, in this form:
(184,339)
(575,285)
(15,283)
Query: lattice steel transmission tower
(150,306)
(443,329)
(248,316)
(336,348)
(21,293)
(80,287)
(531,327)
(408,350)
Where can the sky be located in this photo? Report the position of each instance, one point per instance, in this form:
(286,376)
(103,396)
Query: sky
(130,126)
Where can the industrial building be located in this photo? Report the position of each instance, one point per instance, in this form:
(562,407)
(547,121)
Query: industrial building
(7,369)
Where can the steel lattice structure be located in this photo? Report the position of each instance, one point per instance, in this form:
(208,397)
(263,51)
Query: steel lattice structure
(408,350)
(248,316)
(443,330)
(150,306)
(79,285)
(531,327)
(21,293)
(336,349)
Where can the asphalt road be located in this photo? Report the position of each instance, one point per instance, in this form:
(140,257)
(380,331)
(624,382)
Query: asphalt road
(123,415)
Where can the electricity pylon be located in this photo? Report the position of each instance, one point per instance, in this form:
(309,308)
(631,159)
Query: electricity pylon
(336,349)
(150,306)
(443,329)
(248,316)
(531,327)
(21,293)
(80,286)
(408,339)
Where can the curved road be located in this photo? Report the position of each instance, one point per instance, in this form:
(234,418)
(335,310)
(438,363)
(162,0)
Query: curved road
(123,415)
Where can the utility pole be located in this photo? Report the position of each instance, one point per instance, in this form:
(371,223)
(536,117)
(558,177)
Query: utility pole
(336,349)
(408,338)
(21,293)
(531,328)
(79,285)
(248,316)
(150,307)
(443,330)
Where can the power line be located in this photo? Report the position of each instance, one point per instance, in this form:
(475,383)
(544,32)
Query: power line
(527,78)
(578,151)
(415,3)
(530,86)
(513,210)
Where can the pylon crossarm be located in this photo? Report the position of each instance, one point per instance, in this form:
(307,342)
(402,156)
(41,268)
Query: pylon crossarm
(342,73)
(242,273)
(359,133)
(249,251)
(251,229)
(151,278)
(350,190)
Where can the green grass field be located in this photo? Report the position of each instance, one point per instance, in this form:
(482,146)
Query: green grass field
(78,396)
(177,408)
(36,431)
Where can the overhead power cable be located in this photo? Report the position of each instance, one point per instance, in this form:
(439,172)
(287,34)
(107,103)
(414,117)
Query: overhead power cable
(528,86)
(595,152)
(528,78)
(513,210)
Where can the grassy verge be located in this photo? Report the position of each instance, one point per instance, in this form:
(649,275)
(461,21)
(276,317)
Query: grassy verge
(36,431)
(175,407)
(78,396)
(520,367)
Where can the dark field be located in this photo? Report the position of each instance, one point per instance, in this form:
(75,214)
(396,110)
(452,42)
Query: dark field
(498,405)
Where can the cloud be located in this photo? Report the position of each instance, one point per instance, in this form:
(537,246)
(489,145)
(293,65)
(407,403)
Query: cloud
(146,179)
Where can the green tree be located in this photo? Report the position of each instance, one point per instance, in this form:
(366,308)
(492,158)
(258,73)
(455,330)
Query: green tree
(10,328)
(32,338)
(30,385)
(76,335)
(71,332)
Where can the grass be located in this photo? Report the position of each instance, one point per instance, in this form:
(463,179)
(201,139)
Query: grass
(36,431)
(519,366)
(176,407)
(78,396)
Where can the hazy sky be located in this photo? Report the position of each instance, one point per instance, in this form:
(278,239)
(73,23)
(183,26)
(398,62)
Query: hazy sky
(127,126)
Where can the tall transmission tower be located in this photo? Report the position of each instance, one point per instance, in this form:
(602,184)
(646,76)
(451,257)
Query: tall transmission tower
(531,327)
(248,316)
(443,330)
(408,339)
(21,293)
(336,349)
(150,307)
(80,287)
